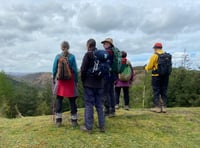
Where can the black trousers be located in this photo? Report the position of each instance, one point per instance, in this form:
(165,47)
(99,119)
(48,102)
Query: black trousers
(126,94)
(72,102)
(109,97)
(160,85)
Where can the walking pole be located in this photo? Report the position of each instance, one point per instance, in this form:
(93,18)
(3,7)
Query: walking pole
(53,109)
(144,89)
(53,101)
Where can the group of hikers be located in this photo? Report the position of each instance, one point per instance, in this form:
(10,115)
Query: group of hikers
(103,74)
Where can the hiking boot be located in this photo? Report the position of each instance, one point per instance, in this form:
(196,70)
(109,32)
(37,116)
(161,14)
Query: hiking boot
(117,106)
(74,119)
(102,129)
(84,129)
(164,109)
(58,124)
(126,107)
(156,109)
(106,112)
(111,115)
(74,123)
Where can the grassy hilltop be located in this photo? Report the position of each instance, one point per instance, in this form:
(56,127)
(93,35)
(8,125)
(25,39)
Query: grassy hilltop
(135,128)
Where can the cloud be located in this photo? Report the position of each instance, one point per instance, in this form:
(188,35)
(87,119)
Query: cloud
(31,32)
(105,18)
(171,21)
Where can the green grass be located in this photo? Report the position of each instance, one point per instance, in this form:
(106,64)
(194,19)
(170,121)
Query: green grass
(180,128)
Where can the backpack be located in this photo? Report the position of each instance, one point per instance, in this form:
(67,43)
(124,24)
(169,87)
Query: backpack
(125,75)
(164,64)
(101,66)
(116,65)
(63,70)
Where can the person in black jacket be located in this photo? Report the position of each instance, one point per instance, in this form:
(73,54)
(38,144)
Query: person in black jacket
(93,91)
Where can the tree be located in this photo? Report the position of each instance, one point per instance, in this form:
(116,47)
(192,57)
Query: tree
(6,95)
(184,88)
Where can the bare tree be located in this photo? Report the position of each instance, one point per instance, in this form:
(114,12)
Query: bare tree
(186,62)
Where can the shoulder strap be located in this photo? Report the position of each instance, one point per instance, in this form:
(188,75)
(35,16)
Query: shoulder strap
(157,53)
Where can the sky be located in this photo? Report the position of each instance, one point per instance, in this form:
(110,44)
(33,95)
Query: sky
(32,30)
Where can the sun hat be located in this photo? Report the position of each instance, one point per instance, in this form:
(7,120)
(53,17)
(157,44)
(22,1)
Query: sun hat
(109,40)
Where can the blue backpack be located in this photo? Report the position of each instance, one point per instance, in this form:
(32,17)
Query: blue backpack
(101,66)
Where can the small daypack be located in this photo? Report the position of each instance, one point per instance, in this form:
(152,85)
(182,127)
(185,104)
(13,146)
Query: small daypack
(116,64)
(101,66)
(125,75)
(164,64)
(63,70)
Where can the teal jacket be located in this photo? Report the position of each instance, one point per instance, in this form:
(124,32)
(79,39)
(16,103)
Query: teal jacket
(72,64)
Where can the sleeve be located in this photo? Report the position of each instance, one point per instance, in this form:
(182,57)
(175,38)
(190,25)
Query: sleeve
(55,66)
(84,66)
(152,62)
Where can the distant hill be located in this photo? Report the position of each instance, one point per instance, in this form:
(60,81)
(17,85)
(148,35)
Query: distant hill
(16,74)
(35,79)
(42,78)
(38,78)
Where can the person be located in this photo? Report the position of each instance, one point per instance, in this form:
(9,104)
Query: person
(93,91)
(119,84)
(66,88)
(159,83)
(109,98)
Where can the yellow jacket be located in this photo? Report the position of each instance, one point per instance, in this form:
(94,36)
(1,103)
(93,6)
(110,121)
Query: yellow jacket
(153,62)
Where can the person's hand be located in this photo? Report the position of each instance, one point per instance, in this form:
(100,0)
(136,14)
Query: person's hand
(54,81)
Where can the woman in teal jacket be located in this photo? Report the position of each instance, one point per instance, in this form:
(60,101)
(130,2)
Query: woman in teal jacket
(66,88)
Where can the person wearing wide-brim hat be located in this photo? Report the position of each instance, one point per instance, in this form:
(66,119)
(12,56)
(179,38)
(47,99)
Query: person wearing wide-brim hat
(109,41)
(109,98)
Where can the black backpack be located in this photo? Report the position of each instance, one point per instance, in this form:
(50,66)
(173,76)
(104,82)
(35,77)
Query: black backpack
(164,64)
(101,66)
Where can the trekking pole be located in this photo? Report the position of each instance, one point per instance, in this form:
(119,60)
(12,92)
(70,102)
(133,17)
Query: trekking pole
(144,88)
(53,109)
(53,102)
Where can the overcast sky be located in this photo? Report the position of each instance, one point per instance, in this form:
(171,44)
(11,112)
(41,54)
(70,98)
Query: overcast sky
(32,30)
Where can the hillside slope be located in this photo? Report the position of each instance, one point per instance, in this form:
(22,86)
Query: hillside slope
(42,78)
(35,79)
(134,128)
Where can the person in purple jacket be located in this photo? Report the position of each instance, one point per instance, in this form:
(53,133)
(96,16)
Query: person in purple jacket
(123,85)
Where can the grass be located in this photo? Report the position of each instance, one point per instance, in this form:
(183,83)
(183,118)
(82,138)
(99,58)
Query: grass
(180,128)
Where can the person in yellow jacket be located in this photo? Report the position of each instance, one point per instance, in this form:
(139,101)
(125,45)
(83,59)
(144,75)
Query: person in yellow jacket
(159,83)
